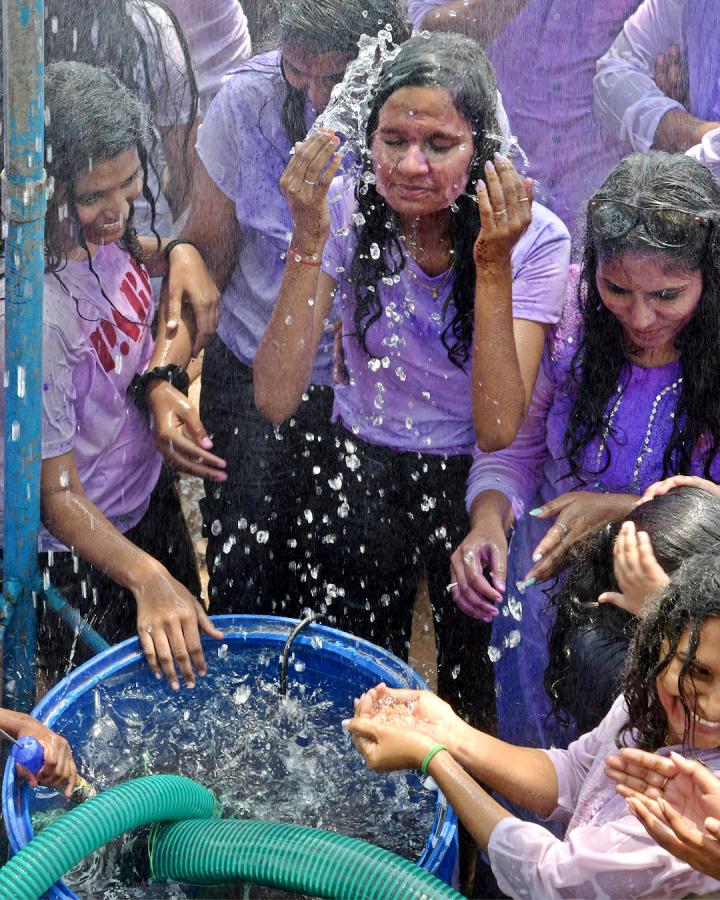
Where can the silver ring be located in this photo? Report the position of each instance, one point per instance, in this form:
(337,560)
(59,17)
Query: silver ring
(664,784)
(524,200)
(564,528)
(148,630)
(309,182)
(501,212)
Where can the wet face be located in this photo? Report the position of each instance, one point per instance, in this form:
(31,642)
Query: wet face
(421,151)
(652,301)
(104,195)
(313,73)
(702,687)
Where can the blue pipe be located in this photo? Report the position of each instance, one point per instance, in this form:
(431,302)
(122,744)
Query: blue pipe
(24,205)
(58,603)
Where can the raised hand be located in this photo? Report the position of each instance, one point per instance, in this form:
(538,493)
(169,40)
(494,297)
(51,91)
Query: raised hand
(638,574)
(305,184)
(505,207)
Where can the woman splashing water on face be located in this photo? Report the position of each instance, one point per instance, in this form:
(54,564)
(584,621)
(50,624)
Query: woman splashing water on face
(446,278)
(671,700)
(104,492)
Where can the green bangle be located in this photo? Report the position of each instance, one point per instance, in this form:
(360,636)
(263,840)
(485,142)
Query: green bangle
(430,754)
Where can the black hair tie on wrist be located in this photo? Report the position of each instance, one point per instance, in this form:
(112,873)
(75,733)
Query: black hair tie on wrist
(167,250)
(175,375)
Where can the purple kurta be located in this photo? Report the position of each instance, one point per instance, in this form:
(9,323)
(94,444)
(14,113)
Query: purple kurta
(531,472)
(606,852)
(407,395)
(544,58)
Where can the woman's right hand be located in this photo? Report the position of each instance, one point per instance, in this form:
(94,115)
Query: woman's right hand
(505,205)
(485,546)
(414,710)
(305,184)
(169,621)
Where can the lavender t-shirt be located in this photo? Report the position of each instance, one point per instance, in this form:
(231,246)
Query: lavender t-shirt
(245,150)
(91,351)
(407,394)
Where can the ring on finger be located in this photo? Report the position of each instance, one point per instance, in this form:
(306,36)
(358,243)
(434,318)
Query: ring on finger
(313,183)
(500,213)
(148,630)
(564,528)
(524,200)
(664,784)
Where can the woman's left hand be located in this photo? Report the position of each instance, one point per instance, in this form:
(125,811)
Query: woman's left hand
(505,207)
(576,514)
(180,435)
(386,748)
(189,280)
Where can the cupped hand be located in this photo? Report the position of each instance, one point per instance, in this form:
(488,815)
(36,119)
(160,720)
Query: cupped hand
(180,435)
(386,748)
(59,766)
(410,709)
(505,207)
(576,514)
(189,280)
(677,481)
(638,573)
(305,184)
(485,546)
(169,621)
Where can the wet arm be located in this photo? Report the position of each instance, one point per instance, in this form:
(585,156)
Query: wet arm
(282,367)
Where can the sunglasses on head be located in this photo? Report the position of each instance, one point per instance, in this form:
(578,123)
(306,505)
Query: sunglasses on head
(668,225)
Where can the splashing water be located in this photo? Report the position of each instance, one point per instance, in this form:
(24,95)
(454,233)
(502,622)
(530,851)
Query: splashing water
(264,758)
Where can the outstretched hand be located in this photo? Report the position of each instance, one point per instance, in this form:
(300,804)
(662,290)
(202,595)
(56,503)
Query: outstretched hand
(638,573)
(410,709)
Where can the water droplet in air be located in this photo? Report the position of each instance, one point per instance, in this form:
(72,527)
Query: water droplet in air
(374,251)
(216,527)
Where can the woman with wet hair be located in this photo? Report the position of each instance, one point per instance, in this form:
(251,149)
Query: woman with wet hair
(115,537)
(143,44)
(265,535)
(446,278)
(628,393)
(589,639)
(670,704)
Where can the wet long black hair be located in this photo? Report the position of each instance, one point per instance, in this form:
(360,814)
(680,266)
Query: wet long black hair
(459,65)
(655,179)
(680,524)
(690,599)
(90,116)
(332,26)
(104,33)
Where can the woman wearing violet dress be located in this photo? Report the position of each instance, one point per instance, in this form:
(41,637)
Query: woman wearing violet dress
(446,285)
(628,393)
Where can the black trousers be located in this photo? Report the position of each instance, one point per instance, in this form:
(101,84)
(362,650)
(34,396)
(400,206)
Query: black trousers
(311,516)
(107,606)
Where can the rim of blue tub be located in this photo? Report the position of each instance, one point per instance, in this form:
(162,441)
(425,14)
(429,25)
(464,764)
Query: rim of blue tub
(385,666)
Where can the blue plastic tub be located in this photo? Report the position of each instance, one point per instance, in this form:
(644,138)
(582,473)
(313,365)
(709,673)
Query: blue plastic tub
(345,666)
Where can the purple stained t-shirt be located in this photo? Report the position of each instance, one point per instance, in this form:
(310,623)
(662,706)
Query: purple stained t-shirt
(245,150)
(544,59)
(91,351)
(408,395)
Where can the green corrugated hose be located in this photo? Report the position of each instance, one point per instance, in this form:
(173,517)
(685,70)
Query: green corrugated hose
(85,828)
(293,857)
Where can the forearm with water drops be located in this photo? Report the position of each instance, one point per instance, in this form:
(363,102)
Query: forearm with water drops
(283,364)
(499,399)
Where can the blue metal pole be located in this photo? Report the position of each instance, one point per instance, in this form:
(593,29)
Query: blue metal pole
(24,203)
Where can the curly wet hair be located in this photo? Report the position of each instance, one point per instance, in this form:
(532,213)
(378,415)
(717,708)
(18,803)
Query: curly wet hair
(690,599)
(457,64)
(680,524)
(600,361)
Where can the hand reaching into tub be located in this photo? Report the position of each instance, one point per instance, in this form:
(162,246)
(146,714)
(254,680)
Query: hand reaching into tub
(59,767)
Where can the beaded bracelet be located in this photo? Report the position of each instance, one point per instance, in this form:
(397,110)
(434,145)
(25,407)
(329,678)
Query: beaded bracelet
(302,258)
(430,754)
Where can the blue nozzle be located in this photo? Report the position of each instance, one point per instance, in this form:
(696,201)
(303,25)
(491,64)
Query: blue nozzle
(28,752)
